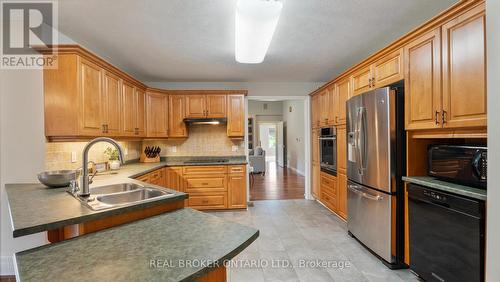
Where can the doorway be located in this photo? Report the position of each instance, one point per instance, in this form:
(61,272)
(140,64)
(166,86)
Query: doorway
(277,149)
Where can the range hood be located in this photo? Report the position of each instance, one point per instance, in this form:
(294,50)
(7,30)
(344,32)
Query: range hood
(205,121)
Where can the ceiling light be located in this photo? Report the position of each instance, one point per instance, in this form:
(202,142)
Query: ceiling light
(256,21)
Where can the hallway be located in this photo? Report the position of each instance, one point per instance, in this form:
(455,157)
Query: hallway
(278,183)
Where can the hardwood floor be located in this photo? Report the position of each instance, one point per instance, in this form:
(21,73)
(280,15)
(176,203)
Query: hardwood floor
(7,278)
(277,184)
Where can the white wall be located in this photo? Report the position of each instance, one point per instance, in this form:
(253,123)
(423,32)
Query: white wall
(295,134)
(257,108)
(493,207)
(254,88)
(22,147)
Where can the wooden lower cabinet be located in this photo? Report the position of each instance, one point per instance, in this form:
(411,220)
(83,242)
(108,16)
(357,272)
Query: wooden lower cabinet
(342,195)
(209,187)
(333,192)
(328,190)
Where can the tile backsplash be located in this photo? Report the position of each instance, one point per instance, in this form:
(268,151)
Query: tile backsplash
(58,154)
(203,140)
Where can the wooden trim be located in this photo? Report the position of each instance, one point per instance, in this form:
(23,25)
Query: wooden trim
(450,133)
(200,91)
(433,23)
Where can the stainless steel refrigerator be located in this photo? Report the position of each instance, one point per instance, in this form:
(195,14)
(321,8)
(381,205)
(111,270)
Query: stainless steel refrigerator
(375,164)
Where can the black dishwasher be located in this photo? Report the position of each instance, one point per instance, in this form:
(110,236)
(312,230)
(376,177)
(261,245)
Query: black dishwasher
(446,235)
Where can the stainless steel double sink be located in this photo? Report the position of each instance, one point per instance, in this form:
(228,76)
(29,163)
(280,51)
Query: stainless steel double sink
(122,194)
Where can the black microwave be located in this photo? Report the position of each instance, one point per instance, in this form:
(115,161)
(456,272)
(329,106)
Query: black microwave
(466,165)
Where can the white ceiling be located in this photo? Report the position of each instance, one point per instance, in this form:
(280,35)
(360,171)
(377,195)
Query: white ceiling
(193,40)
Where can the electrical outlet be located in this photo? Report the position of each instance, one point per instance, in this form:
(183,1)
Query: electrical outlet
(174,149)
(73,157)
(234,148)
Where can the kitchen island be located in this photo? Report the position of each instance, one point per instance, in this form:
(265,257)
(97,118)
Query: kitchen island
(182,245)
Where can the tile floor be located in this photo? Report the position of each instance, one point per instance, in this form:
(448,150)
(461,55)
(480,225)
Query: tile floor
(297,231)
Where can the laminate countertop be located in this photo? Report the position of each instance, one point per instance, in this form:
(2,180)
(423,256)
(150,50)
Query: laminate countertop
(437,184)
(35,208)
(177,246)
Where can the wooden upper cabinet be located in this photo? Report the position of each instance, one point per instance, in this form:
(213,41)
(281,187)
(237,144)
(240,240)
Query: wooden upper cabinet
(157,114)
(216,106)
(141,112)
(176,115)
(423,82)
(236,115)
(331,106)
(324,101)
(195,106)
(316,110)
(129,107)
(91,118)
(384,71)
(111,104)
(388,69)
(133,110)
(343,93)
(464,70)
(361,80)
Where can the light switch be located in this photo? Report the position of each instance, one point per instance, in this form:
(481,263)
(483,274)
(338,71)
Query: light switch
(73,157)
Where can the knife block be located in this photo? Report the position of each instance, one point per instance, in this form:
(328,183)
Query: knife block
(145,159)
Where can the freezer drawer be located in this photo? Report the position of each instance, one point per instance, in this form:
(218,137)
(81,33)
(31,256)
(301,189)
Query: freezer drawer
(370,218)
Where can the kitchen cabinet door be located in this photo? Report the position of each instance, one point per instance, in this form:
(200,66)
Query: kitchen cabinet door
(315,111)
(237,191)
(423,82)
(325,107)
(129,109)
(91,119)
(216,106)
(315,183)
(315,146)
(341,149)
(176,115)
(342,195)
(111,104)
(236,115)
(361,80)
(343,93)
(173,178)
(464,70)
(388,69)
(331,106)
(141,112)
(157,114)
(195,106)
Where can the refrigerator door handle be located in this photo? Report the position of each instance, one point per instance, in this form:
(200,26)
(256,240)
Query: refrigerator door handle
(365,195)
(361,128)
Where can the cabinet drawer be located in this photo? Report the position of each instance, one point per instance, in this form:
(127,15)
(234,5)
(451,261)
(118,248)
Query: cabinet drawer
(143,178)
(190,170)
(205,184)
(155,175)
(207,201)
(330,189)
(329,200)
(236,169)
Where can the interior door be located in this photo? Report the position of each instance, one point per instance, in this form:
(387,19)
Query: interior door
(280,144)
(369,138)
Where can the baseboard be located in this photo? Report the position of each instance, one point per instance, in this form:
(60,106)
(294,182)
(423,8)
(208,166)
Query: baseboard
(296,170)
(7,266)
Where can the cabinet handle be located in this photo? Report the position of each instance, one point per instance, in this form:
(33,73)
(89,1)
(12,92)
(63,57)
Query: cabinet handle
(437,117)
(103,128)
(370,82)
(443,116)
(373,82)
(107,130)
(204,183)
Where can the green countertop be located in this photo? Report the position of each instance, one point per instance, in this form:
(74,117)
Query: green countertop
(154,249)
(432,182)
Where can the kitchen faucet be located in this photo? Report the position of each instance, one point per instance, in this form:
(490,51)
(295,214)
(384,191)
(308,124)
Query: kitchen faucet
(84,192)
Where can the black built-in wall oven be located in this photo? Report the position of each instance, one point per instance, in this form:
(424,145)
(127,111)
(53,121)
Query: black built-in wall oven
(328,149)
